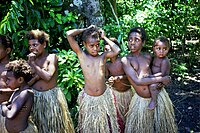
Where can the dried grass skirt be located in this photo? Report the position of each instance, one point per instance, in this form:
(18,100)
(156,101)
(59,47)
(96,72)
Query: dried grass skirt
(2,123)
(97,114)
(50,112)
(31,127)
(123,100)
(160,120)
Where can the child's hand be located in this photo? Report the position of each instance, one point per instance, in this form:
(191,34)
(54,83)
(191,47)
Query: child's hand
(167,80)
(102,33)
(118,78)
(31,57)
(111,80)
(160,86)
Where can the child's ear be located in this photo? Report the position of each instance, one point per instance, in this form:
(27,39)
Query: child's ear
(20,80)
(45,44)
(8,50)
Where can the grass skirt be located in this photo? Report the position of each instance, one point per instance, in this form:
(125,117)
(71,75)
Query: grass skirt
(97,114)
(160,120)
(31,128)
(50,112)
(2,123)
(123,100)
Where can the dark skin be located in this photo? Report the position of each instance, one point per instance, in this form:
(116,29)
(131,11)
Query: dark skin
(45,66)
(5,92)
(17,109)
(92,64)
(136,66)
(117,76)
(160,67)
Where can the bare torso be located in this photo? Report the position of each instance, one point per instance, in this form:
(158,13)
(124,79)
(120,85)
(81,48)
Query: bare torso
(116,69)
(2,76)
(157,65)
(20,121)
(94,78)
(141,64)
(44,63)
(5,93)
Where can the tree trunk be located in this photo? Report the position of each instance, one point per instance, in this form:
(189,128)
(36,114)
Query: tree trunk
(91,10)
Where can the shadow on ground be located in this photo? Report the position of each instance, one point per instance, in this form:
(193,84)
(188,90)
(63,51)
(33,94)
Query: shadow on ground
(185,96)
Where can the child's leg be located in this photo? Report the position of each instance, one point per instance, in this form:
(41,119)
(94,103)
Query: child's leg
(154,94)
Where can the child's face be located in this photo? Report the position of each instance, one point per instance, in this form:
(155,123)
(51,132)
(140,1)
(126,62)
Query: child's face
(92,46)
(160,49)
(135,42)
(11,81)
(36,47)
(3,52)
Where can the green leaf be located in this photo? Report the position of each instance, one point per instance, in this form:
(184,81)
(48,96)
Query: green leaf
(31,2)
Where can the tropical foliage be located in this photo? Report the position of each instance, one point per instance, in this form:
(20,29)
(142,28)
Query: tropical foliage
(175,19)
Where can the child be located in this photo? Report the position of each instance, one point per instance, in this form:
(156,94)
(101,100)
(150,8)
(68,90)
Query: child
(97,112)
(50,110)
(119,81)
(5,49)
(17,109)
(136,67)
(160,66)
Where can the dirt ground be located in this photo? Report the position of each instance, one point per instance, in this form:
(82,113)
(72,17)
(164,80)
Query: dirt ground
(185,96)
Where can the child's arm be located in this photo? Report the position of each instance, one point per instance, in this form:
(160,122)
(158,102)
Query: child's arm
(71,38)
(165,67)
(33,80)
(48,72)
(114,48)
(10,110)
(132,75)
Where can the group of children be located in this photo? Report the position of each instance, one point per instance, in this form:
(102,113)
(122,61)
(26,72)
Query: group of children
(124,94)
(37,104)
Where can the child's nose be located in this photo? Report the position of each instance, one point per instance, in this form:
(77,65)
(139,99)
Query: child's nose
(95,47)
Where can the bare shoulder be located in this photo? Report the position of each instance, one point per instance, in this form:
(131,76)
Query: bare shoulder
(52,56)
(27,92)
(166,61)
(147,56)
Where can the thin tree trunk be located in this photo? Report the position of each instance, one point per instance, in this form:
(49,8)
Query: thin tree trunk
(91,10)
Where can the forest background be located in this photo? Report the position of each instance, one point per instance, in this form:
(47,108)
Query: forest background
(178,20)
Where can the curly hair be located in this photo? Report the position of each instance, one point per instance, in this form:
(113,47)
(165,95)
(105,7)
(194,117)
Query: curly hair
(38,34)
(162,39)
(139,30)
(91,32)
(20,68)
(6,41)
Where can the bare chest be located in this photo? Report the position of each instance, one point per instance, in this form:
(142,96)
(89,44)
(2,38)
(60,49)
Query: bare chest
(115,68)
(141,65)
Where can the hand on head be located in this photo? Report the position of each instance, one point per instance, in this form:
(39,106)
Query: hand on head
(102,33)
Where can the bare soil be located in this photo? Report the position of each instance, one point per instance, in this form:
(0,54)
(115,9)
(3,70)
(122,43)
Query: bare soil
(185,95)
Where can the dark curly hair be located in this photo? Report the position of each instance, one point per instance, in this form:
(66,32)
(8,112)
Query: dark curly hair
(139,30)
(6,41)
(20,68)
(93,32)
(162,39)
(38,34)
